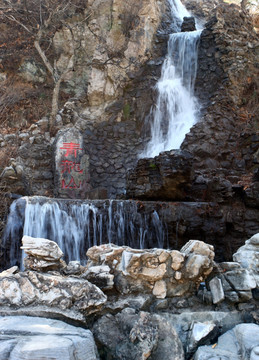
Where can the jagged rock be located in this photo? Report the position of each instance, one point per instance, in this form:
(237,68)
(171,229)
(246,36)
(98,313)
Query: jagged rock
(239,343)
(199,334)
(188,24)
(225,319)
(42,253)
(31,338)
(232,281)
(33,291)
(141,336)
(152,271)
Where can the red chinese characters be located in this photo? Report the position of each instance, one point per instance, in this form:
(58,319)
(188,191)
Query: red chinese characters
(71,184)
(71,148)
(70,166)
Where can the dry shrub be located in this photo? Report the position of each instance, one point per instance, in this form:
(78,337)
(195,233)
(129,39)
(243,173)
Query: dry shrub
(21,104)
(6,153)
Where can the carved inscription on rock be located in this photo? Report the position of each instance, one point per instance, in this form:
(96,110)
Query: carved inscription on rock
(72,165)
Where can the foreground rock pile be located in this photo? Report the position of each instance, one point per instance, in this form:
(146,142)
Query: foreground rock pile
(139,304)
(162,273)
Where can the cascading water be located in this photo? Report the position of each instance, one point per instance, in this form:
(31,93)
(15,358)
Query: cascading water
(78,225)
(176,109)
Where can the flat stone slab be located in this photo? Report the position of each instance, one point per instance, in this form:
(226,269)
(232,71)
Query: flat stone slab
(31,338)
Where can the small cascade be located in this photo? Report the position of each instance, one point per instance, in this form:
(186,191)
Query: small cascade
(78,225)
(176,108)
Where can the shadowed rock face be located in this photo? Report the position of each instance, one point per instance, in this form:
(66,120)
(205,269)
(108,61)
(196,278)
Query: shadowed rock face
(165,177)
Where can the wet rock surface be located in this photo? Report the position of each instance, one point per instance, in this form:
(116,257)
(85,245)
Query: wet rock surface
(147,224)
(188,24)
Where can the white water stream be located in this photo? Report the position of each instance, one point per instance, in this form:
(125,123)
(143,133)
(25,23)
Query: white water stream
(76,225)
(175,111)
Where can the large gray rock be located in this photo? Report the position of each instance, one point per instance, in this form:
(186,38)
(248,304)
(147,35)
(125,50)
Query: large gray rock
(217,291)
(31,338)
(183,323)
(140,336)
(240,343)
(236,280)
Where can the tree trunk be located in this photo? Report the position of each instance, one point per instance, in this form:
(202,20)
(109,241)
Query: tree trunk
(43,57)
(54,105)
(55,94)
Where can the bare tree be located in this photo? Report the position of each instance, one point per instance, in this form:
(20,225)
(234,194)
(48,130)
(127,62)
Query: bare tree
(41,19)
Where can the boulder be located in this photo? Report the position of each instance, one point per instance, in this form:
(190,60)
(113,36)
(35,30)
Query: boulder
(31,338)
(66,297)
(42,253)
(217,291)
(160,272)
(200,332)
(141,336)
(237,281)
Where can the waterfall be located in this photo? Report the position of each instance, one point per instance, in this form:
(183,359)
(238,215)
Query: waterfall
(175,111)
(78,225)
